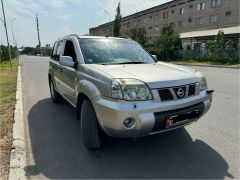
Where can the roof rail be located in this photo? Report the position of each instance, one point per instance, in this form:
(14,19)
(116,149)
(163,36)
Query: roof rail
(126,37)
(71,35)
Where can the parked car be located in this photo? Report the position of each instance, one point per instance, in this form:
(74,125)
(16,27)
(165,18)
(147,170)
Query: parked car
(120,90)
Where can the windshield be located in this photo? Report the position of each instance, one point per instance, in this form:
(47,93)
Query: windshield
(113,51)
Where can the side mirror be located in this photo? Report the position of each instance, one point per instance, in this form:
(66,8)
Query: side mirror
(155,57)
(66,61)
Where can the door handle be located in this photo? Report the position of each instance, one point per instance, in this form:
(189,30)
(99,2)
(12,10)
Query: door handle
(60,69)
(54,67)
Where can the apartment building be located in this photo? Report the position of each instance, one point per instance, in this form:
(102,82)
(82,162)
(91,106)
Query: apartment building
(196,20)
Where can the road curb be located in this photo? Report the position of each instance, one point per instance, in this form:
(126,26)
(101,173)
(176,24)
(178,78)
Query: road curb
(18,151)
(202,65)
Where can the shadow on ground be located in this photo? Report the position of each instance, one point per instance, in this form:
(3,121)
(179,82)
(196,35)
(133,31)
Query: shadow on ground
(59,153)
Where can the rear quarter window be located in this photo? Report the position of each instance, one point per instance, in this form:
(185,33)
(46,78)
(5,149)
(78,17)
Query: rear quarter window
(54,51)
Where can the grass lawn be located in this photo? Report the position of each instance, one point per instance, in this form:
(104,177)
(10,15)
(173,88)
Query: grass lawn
(8,82)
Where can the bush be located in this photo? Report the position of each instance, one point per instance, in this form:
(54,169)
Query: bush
(4,53)
(221,50)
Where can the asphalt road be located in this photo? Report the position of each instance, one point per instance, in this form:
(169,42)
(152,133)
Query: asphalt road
(206,149)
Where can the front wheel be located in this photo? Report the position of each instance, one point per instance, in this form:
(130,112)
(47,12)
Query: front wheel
(55,96)
(91,132)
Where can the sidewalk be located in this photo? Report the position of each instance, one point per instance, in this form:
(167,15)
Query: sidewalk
(235,66)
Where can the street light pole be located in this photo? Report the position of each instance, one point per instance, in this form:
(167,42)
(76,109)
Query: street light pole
(110,18)
(13,37)
(5,25)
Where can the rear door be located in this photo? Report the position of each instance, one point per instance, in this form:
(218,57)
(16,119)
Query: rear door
(56,68)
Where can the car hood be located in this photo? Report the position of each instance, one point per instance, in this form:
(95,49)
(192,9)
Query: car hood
(156,75)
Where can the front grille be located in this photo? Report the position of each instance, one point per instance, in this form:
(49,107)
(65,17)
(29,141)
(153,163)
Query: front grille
(175,93)
(165,94)
(191,90)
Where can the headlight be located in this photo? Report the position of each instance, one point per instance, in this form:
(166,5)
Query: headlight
(202,80)
(130,90)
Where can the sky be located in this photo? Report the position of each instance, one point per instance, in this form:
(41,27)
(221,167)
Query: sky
(58,18)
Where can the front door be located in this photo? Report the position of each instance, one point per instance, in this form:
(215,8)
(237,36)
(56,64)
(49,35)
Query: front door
(69,73)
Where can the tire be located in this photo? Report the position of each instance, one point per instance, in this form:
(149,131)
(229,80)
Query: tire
(55,96)
(91,133)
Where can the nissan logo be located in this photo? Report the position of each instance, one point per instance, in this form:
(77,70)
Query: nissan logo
(180,92)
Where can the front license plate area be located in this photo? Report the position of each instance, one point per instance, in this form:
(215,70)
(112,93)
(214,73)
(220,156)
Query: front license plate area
(178,119)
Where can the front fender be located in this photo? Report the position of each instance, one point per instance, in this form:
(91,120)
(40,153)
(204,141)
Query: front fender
(89,89)
(92,92)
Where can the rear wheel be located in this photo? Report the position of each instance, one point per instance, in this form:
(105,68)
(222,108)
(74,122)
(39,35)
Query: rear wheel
(55,96)
(91,132)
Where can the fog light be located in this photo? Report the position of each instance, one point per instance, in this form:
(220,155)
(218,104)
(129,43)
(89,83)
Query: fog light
(129,122)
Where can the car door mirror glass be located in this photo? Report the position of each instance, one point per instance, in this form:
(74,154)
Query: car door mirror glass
(66,61)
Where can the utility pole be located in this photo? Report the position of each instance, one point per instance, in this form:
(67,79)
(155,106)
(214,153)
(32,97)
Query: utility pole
(5,25)
(39,42)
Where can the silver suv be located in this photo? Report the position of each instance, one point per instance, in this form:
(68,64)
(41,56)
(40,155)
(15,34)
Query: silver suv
(120,90)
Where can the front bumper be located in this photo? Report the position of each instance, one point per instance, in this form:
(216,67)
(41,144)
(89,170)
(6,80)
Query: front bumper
(111,114)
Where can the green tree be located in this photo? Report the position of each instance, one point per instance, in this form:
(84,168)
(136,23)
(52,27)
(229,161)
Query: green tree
(117,21)
(167,44)
(4,53)
(47,50)
(221,50)
(139,35)
(28,50)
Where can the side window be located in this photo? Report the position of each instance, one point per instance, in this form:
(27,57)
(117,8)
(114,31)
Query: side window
(70,51)
(60,48)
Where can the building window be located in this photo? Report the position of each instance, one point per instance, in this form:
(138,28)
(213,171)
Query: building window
(191,6)
(214,18)
(216,3)
(180,24)
(165,15)
(156,17)
(189,20)
(172,11)
(228,13)
(199,20)
(201,6)
(181,11)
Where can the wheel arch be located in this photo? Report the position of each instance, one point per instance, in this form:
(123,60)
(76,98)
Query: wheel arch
(80,99)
